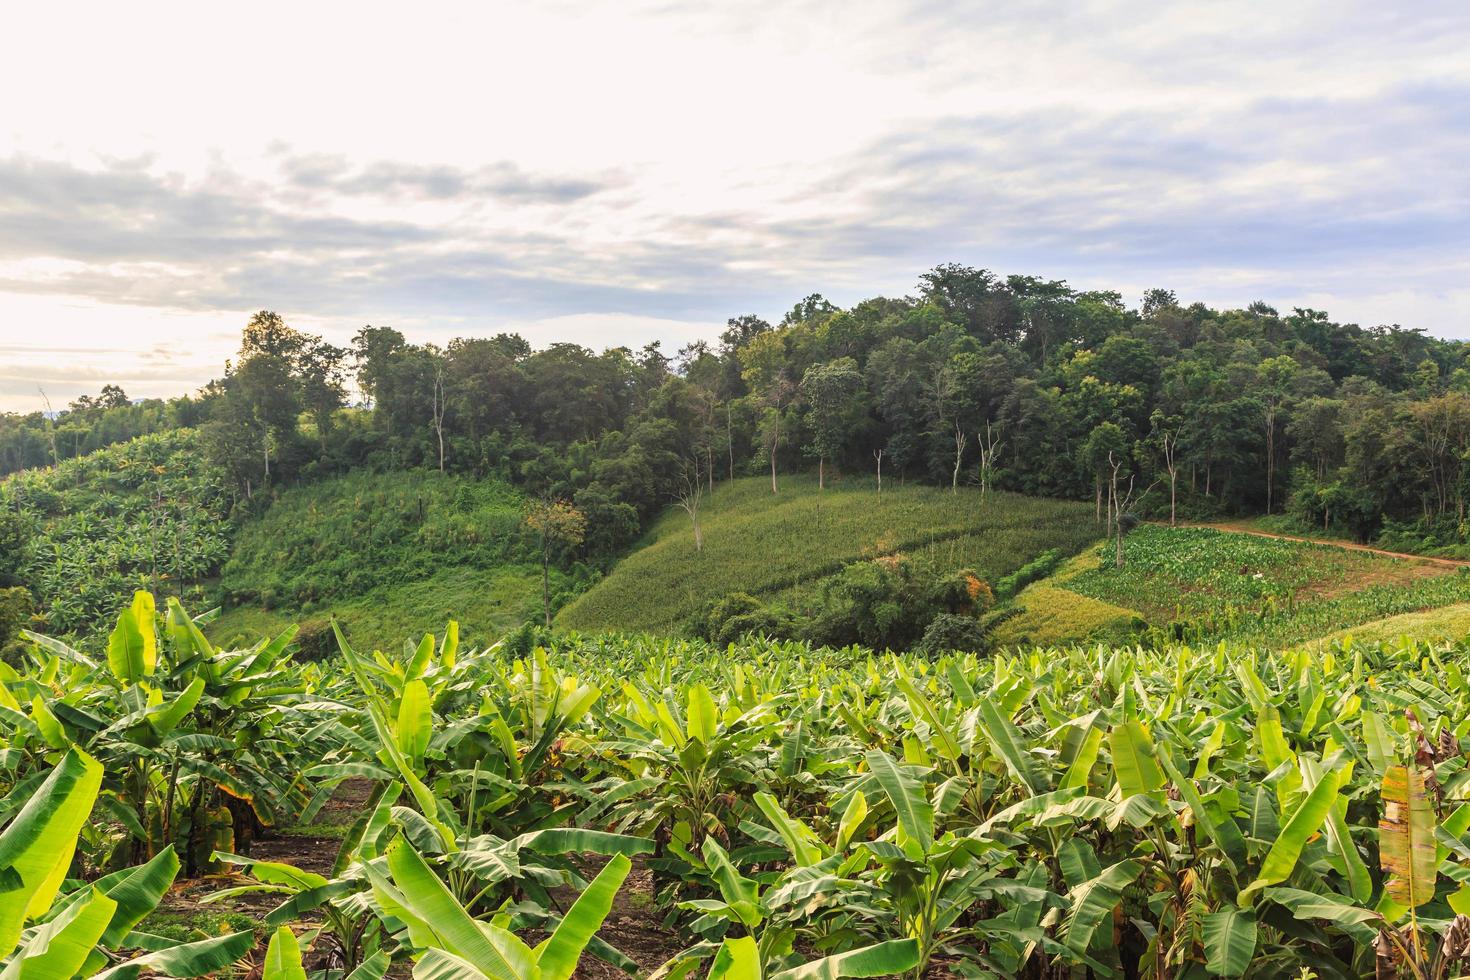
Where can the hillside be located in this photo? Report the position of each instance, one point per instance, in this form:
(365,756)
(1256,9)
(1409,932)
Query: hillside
(1206,585)
(388,554)
(766,545)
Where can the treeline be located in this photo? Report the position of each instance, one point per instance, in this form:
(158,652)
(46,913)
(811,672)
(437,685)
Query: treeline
(1014,383)
(45,438)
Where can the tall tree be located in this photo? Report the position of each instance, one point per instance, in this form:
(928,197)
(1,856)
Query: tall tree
(833,393)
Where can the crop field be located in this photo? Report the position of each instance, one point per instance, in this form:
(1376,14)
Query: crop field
(1208,585)
(776,810)
(148,513)
(766,546)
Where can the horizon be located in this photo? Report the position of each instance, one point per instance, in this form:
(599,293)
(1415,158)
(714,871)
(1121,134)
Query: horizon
(457,175)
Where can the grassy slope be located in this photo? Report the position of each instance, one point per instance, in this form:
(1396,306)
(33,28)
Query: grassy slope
(1052,614)
(1445,623)
(767,545)
(1238,587)
(389,555)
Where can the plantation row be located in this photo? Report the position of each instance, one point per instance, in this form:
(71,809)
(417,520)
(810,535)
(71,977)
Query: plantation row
(803,813)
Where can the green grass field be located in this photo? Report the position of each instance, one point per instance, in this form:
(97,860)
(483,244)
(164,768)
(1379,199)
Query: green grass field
(784,545)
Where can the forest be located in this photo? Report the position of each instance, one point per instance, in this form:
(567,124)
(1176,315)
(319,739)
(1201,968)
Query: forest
(1011,383)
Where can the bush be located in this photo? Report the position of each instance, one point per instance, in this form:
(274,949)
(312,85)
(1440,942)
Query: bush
(888,602)
(315,639)
(16,610)
(950,632)
(738,615)
(1034,570)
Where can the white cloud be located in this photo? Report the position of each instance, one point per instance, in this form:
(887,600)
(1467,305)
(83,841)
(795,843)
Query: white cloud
(644,170)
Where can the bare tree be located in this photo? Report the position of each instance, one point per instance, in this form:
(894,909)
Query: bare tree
(878,455)
(730,435)
(439,407)
(50,426)
(1169,444)
(1120,502)
(990,445)
(959,454)
(690,496)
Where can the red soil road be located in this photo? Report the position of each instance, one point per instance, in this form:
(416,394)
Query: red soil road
(1240,528)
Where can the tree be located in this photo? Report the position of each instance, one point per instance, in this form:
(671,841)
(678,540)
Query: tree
(766,366)
(1121,495)
(1273,388)
(833,393)
(1315,431)
(322,374)
(1165,436)
(689,497)
(112,396)
(558,525)
(990,444)
(1106,445)
(438,405)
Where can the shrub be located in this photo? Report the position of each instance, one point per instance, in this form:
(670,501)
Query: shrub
(1034,570)
(950,632)
(16,611)
(888,602)
(738,615)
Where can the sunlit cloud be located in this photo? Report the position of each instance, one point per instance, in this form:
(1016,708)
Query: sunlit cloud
(615,174)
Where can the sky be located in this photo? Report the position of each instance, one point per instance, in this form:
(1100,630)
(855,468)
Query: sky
(611,174)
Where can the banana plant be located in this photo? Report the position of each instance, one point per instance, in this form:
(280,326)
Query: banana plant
(686,767)
(446,941)
(191,738)
(740,958)
(49,932)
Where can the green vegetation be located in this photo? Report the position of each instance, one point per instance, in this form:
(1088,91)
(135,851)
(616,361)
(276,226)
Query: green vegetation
(491,602)
(1206,585)
(388,554)
(150,513)
(1444,625)
(786,545)
(804,812)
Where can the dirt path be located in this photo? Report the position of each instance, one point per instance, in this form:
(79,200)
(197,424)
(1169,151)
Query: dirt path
(1237,527)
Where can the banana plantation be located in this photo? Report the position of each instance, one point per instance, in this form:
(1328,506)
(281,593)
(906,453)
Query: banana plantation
(772,810)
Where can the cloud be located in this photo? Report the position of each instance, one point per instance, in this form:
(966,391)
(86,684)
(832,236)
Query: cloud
(677,164)
(503,181)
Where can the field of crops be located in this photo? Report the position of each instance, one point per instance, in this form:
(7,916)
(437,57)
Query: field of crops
(769,810)
(148,513)
(1210,585)
(766,545)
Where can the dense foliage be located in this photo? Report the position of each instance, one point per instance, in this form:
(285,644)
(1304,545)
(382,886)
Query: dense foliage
(820,812)
(149,513)
(1009,382)
(349,535)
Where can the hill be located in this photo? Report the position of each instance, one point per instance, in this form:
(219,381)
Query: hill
(388,554)
(1207,585)
(765,545)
